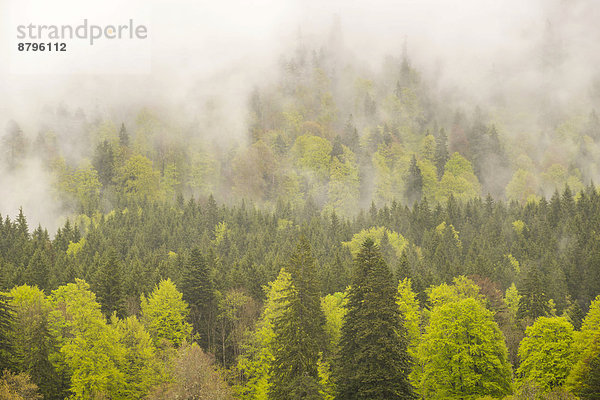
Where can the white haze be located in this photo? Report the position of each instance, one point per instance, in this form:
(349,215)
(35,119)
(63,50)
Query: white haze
(473,51)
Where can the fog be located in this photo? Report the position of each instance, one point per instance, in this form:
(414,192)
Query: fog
(532,58)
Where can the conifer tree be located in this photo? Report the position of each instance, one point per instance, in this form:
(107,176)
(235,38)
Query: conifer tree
(533,302)
(108,285)
(6,320)
(374,362)
(441,152)
(123,136)
(299,333)
(414,183)
(198,291)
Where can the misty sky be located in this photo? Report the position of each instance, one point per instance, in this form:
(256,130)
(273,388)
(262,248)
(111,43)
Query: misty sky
(226,45)
(203,49)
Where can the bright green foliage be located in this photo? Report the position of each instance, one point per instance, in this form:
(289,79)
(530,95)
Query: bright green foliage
(390,164)
(343,183)
(299,333)
(522,186)
(461,288)
(334,308)
(463,353)
(312,153)
(137,179)
(89,347)
(410,312)
(373,361)
(546,352)
(458,180)
(82,184)
(408,304)
(429,175)
(31,340)
(584,379)
(376,234)
(590,326)
(557,177)
(139,363)
(512,299)
(255,361)
(164,314)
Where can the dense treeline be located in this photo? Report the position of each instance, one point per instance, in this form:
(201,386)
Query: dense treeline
(528,264)
(154,288)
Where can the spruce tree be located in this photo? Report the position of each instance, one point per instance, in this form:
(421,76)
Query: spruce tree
(299,333)
(123,136)
(198,291)
(6,322)
(108,285)
(374,362)
(533,302)
(441,152)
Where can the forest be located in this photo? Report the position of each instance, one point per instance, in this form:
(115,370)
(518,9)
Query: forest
(369,237)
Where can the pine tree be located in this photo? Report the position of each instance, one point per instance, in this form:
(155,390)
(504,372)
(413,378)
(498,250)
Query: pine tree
(299,333)
(374,362)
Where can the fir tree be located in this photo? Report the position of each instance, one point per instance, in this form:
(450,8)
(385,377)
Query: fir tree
(299,333)
(374,362)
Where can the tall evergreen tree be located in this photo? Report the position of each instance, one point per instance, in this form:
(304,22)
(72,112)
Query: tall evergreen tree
(414,182)
(374,362)
(123,136)
(6,320)
(299,333)
(103,161)
(108,285)
(533,302)
(198,291)
(441,152)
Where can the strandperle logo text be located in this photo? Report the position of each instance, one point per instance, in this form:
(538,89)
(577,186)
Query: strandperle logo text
(86,31)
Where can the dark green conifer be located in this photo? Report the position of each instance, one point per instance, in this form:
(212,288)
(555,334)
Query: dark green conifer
(299,333)
(108,287)
(533,302)
(374,363)
(198,291)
